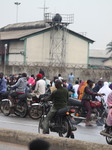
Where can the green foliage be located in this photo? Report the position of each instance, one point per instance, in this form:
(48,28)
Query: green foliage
(109,47)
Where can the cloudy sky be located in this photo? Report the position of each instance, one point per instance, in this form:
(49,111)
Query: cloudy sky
(92,17)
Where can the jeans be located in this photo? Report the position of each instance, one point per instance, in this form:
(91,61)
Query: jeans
(47,119)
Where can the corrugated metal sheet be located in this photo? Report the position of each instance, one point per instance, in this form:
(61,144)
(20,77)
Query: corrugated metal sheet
(20,30)
(98,53)
(25,25)
(9,35)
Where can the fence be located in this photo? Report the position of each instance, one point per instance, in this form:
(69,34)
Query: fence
(81,72)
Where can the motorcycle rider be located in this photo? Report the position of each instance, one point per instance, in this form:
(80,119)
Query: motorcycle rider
(105,89)
(98,85)
(108,125)
(87,97)
(3,83)
(20,87)
(40,86)
(59,98)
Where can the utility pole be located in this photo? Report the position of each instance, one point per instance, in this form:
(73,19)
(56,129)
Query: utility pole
(5,51)
(17,4)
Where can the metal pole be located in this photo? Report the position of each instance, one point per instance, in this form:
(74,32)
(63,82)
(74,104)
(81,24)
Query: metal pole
(17,4)
(5,57)
(44,9)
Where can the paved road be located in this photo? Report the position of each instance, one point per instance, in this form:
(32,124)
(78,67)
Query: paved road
(91,134)
(10,146)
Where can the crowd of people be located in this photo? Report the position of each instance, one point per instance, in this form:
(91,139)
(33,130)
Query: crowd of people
(61,90)
(85,91)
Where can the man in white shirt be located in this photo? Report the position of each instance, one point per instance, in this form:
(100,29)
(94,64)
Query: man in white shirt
(106,90)
(60,77)
(75,87)
(40,86)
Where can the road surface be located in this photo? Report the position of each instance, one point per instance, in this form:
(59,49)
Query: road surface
(90,134)
(10,146)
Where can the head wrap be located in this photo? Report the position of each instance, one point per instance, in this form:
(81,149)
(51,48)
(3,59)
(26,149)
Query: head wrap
(39,76)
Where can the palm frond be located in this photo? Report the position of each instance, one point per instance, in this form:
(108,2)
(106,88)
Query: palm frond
(109,47)
(109,51)
(109,44)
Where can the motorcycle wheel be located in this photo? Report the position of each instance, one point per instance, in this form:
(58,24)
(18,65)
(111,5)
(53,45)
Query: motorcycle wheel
(103,117)
(109,140)
(21,109)
(0,104)
(35,112)
(5,108)
(40,128)
(66,129)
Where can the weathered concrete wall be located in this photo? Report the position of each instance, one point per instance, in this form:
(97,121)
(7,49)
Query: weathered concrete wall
(50,72)
(57,143)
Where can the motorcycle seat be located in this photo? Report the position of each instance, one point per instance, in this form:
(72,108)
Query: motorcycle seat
(62,111)
(74,102)
(22,96)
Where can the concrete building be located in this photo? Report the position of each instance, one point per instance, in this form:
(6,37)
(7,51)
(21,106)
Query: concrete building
(29,44)
(108,62)
(99,58)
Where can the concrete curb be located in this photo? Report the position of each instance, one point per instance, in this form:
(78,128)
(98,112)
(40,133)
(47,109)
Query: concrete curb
(57,143)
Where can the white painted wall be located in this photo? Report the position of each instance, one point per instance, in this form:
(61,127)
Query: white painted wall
(37,48)
(15,49)
(77,50)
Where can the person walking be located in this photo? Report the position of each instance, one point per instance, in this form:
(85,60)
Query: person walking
(71,78)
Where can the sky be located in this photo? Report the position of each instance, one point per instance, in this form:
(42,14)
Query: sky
(91,17)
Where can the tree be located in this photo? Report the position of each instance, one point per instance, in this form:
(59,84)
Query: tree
(109,47)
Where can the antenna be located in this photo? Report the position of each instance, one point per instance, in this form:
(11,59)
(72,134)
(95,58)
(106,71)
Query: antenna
(44,9)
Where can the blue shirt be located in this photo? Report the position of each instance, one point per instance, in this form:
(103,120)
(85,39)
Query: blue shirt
(71,78)
(3,85)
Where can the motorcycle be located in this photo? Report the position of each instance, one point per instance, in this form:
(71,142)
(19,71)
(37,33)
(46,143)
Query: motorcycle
(37,108)
(108,136)
(3,96)
(98,114)
(20,107)
(60,123)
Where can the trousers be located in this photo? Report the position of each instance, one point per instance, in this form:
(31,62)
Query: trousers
(46,121)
